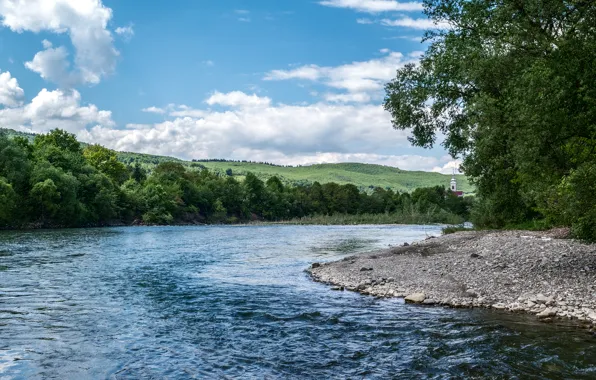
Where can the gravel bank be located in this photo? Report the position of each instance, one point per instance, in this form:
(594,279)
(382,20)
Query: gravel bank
(518,271)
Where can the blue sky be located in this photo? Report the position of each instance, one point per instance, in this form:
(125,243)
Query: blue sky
(286,81)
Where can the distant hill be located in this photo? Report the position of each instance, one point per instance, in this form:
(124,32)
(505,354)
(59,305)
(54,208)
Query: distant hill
(362,175)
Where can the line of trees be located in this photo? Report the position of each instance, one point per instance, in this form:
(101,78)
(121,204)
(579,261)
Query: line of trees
(56,182)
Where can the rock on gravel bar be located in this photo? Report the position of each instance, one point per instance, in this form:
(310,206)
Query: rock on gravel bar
(519,271)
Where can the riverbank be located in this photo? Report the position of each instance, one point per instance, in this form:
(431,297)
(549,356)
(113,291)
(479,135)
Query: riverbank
(518,271)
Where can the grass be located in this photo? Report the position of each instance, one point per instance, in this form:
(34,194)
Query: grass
(364,176)
(393,218)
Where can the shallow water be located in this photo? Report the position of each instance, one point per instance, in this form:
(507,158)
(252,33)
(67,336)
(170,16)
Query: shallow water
(234,302)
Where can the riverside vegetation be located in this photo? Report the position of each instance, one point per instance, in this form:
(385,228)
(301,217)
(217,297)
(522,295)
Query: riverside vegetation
(53,180)
(512,86)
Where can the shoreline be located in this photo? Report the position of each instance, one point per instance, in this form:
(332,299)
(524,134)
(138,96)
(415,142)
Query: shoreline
(190,224)
(517,271)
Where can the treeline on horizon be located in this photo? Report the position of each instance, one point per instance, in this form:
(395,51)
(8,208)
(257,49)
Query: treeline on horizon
(242,161)
(54,181)
(512,86)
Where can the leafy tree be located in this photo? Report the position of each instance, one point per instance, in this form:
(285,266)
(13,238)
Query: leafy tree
(8,199)
(106,161)
(512,86)
(138,173)
(59,138)
(162,203)
(15,165)
(47,197)
(256,193)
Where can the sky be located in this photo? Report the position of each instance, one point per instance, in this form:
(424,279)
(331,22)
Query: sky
(291,82)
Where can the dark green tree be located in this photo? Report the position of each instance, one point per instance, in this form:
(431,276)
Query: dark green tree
(512,86)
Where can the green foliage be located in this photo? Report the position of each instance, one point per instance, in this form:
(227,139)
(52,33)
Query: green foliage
(60,183)
(8,199)
(46,196)
(512,86)
(364,176)
(106,161)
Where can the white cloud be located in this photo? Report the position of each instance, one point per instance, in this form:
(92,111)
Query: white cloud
(356,77)
(157,110)
(310,72)
(85,21)
(448,167)
(358,97)
(52,65)
(418,23)
(374,6)
(55,109)
(365,21)
(244,19)
(237,99)
(126,32)
(293,130)
(209,63)
(10,92)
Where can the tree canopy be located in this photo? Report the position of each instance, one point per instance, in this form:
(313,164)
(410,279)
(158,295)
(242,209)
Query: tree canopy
(511,86)
(56,182)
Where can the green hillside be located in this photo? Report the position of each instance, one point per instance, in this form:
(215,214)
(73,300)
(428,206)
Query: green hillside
(362,175)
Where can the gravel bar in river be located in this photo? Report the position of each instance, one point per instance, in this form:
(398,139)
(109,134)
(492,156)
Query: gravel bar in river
(518,271)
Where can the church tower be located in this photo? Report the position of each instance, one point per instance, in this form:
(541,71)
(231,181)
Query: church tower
(453,182)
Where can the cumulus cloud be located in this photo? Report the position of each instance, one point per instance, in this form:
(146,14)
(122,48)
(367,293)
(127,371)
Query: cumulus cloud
(449,166)
(55,109)
(10,92)
(85,21)
(289,135)
(52,65)
(374,6)
(289,129)
(237,99)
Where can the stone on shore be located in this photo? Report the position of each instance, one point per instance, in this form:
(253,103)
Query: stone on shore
(415,298)
(547,313)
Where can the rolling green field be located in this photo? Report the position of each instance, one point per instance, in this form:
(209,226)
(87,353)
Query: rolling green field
(362,175)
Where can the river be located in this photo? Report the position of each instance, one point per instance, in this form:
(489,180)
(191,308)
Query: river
(235,303)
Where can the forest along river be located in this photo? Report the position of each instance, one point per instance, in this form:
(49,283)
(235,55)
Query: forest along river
(235,302)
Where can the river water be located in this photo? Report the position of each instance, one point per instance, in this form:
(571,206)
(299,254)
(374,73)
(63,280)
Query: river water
(235,303)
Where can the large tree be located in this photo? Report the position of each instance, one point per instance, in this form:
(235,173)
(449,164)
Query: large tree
(509,86)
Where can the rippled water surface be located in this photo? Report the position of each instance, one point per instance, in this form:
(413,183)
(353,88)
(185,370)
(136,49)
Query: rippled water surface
(234,302)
